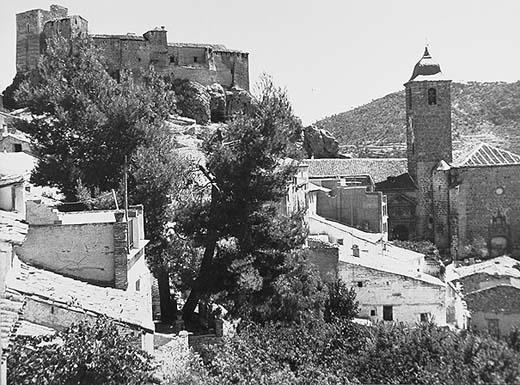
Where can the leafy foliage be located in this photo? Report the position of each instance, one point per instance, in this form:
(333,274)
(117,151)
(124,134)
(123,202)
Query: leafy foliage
(341,302)
(246,242)
(84,353)
(477,108)
(342,352)
(84,121)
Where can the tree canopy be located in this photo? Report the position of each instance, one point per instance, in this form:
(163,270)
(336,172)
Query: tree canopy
(247,243)
(84,353)
(84,121)
(87,127)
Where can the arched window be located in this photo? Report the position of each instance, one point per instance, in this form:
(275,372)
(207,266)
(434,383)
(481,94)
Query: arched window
(432,96)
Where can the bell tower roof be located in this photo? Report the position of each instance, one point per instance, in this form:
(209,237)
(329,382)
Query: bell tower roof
(427,69)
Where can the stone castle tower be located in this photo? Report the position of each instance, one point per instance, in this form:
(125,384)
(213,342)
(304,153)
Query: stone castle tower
(429,147)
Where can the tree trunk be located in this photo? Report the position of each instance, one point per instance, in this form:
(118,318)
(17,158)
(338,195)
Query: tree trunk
(210,244)
(168,305)
(198,286)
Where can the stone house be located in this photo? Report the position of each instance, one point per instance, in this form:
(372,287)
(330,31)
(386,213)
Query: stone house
(391,283)
(491,290)
(204,63)
(53,301)
(99,247)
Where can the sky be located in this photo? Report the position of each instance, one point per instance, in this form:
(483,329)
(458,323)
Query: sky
(331,56)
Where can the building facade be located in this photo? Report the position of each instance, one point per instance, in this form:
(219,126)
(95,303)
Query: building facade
(459,202)
(204,63)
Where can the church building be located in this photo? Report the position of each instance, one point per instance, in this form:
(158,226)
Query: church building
(461,203)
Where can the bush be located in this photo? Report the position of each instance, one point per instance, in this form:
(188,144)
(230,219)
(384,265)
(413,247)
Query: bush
(84,353)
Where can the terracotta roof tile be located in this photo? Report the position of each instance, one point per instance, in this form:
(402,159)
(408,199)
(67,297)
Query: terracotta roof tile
(12,229)
(379,169)
(120,305)
(11,308)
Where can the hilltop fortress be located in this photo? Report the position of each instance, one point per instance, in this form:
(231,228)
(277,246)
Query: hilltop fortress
(203,63)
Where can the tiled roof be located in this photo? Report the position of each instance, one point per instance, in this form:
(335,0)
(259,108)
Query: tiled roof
(120,37)
(12,229)
(400,182)
(199,45)
(117,304)
(485,155)
(504,265)
(379,169)
(11,307)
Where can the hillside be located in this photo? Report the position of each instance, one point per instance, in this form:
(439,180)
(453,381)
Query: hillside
(480,112)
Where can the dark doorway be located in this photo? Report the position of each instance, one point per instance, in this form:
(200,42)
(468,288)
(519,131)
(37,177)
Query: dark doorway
(400,233)
(388,313)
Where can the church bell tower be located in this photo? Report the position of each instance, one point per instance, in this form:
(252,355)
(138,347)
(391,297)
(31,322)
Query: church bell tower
(428,136)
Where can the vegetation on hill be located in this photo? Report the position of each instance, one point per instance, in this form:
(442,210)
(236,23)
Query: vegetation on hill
(489,110)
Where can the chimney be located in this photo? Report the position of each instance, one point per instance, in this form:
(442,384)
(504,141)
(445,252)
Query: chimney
(120,251)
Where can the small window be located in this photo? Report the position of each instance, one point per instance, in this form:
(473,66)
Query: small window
(432,96)
(172,59)
(355,251)
(388,313)
(195,59)
(360,284)
(138,285)
(340,241)
(425,317)
(17,147)
(372,313)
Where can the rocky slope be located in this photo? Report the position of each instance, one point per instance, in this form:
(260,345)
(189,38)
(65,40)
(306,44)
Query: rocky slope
(480,112)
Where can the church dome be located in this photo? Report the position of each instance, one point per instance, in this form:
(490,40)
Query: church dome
(426,68)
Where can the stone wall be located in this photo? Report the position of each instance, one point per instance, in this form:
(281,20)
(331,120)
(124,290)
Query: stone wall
(475,202)
(352,206)
(408,297)
(480,281)
(201,63)
(441,208)
(324,256)
(84,251)
(428,142)
(29,26)
(500,303)
(58,317)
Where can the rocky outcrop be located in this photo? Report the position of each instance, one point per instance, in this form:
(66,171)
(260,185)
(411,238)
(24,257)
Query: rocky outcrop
(212,103)
(320,143)
(238,100)
(217,103)
(193,100)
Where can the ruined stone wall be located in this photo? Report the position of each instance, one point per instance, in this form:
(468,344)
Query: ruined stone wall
(192,62)
(324,256)
(67,28)
(29,26)
(234,64)
(475,202)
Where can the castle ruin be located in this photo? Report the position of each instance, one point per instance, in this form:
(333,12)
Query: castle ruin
(204,63)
